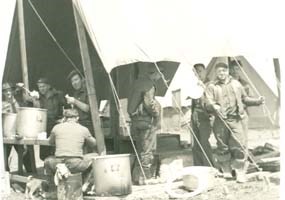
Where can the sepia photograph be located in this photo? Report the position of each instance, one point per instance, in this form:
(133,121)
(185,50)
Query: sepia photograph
(135,100)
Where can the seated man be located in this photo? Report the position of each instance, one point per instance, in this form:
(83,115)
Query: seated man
(69,138)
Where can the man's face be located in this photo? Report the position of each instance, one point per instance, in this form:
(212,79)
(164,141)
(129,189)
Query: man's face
(222,73)
(201,72)
(235,72)
(8,94)
(76,82)
(43,88)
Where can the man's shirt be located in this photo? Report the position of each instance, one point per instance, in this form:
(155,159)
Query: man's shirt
(82,96)
(69,139)
(53,101)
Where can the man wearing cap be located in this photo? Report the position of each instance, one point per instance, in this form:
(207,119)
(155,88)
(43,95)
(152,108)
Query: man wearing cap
(225,98)
(53,100)
(144,111)
(10,104)
(69,138)
(80,99)
(200,120)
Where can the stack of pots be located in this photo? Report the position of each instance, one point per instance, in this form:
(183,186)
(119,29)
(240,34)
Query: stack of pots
(29,122)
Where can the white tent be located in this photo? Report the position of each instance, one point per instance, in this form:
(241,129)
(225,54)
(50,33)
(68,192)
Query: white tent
(126,31)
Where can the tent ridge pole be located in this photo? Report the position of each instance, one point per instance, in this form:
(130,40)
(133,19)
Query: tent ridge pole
(90,84)
(22,38)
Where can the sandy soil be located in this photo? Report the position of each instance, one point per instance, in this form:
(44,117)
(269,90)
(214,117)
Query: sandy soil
(252,190)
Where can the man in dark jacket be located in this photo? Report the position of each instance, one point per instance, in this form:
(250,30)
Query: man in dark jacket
(144,112)
(225,99)
(79,99)
(200,121)
(11,104)
(53,100)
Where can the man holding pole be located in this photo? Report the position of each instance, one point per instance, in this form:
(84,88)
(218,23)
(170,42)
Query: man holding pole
(225,99)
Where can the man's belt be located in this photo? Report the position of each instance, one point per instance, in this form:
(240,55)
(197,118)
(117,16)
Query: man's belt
(198,109)
(233,116)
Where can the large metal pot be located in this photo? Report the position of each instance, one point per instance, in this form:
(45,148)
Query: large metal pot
(112,175)
(31,122)
(9,124)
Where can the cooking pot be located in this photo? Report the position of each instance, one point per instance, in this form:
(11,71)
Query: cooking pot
(31,122)
(195,178)
(9,124)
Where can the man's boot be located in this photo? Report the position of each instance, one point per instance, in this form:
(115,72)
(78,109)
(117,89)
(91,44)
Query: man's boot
(240,165)
(224,162)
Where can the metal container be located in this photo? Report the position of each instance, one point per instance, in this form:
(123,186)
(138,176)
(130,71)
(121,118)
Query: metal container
(31,121)
(199,178)
(112,175)
(9,124)
(70,188)
(196,179)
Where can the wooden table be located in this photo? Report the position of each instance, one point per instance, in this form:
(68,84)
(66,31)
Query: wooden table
(20,143)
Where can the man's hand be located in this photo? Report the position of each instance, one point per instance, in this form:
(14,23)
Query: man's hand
(70,100)
(261,99)
(34,94)
(216,107)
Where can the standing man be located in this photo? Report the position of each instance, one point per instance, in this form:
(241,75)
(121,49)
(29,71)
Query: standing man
(144,112)
(200,121)
(10,105)
(235,72)
(225,99)
(80,99)
(52,100)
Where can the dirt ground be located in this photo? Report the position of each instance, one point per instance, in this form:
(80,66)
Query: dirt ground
(254,189)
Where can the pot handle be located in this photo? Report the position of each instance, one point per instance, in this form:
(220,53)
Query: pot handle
(39,118)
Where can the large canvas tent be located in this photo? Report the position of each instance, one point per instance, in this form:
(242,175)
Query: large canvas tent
(126,31)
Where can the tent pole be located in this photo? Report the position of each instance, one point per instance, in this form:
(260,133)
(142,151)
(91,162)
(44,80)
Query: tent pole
(90,84)
(278,80)
(22,38)
(114,116)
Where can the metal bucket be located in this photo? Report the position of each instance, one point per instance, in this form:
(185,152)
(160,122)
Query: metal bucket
(70,188)
(112,175)
(196,179)
(9,124)
(31,122)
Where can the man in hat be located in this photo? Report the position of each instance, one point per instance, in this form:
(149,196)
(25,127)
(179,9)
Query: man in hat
(69,138)
(200,120)
(80,100)
(10,104)
(53,100)
(144,111)
(225,98)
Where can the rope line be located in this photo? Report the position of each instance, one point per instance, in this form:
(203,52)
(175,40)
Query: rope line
(54,39)
(266,110)
(119,109)
(178,108)
(229,128)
